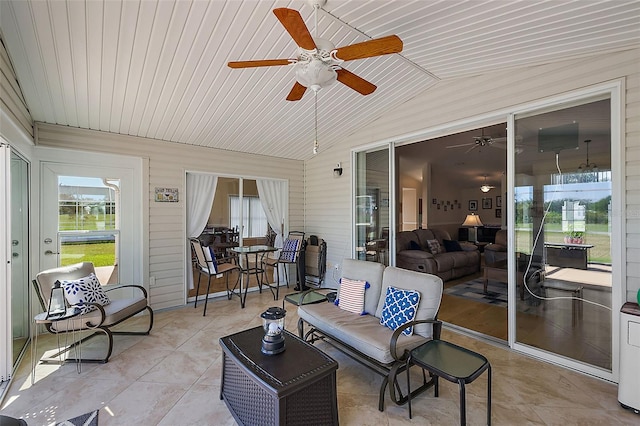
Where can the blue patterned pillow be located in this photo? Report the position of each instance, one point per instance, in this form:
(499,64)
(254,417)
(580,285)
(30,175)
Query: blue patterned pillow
(288,253)
(400,307)
(85,290)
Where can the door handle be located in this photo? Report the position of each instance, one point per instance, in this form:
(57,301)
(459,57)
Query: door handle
(49,252)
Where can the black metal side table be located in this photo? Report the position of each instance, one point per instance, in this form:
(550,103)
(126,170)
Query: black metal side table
(453,363)
(43,318)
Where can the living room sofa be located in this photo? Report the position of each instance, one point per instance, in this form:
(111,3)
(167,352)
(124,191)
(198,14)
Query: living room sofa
(448,259)
(362,336)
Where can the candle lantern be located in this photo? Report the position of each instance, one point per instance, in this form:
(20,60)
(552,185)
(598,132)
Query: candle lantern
(273,325)
(57,301)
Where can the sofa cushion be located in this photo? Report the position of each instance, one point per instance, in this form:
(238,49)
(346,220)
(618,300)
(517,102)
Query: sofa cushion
(116,311)
(362,332)
(413,245)
(371,272)
(399,308)
(352,295)
(429,286)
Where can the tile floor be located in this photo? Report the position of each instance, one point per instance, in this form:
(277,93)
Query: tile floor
(172,377)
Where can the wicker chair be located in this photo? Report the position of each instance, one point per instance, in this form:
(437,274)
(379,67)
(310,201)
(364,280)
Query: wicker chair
(100,320)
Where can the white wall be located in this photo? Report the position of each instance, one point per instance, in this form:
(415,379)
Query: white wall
(168,163)
(328,201)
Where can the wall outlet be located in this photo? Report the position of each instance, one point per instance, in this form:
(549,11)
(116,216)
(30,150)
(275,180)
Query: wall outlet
(152,281)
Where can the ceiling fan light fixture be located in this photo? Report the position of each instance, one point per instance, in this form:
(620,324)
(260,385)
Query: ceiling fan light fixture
(484,187)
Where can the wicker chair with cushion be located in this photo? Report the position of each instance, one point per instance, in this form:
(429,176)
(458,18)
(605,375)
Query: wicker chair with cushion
(98,317)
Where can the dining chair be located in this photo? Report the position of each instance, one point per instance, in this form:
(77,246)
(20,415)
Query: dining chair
(206,263)
(289,255)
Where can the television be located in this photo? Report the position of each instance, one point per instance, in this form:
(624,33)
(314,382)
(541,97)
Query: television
(555,139)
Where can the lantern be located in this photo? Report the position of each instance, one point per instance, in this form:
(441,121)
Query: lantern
(273,325)
(57,302)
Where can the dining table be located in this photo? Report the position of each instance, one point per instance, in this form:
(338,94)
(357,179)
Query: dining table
(250,264)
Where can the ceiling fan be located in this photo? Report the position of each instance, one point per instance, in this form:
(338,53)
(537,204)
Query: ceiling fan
(483,141)
(318,62)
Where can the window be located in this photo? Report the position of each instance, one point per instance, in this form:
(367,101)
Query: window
(253,216)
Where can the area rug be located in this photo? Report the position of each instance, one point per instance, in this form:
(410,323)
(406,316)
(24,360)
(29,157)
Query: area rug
(89,419)
(474,290)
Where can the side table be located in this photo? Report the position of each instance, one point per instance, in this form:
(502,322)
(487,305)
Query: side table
(295,387)
(453,363)
(43,318)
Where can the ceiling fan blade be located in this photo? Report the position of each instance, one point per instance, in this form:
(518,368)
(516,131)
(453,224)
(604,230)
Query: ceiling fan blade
(472,148)
(295,26)
(296,92)
(461,145)
(259,63)
(367,49)
(358,84)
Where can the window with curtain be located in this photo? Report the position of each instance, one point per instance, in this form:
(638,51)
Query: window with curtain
(253,216)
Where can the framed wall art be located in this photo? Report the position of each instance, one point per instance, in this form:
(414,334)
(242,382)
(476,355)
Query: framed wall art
(473,205)
(486,203)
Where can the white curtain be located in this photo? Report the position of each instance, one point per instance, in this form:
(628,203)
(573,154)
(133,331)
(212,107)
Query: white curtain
(273,196)
(6,353)
(201,189)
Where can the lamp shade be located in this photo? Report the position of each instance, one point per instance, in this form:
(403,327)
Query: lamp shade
(472,220)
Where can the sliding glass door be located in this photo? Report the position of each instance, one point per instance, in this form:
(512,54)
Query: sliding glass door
(562,222)
(372,205)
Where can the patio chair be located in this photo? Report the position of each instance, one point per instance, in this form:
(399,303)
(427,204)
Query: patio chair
(289,254)
(103,317)
(207,264)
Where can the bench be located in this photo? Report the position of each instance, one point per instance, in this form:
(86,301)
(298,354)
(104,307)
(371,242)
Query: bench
(363,338)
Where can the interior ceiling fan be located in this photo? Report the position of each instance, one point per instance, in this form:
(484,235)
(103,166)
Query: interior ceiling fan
(318,62)
(483,141)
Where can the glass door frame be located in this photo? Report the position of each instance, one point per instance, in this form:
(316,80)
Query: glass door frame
(357,174)
(614,90)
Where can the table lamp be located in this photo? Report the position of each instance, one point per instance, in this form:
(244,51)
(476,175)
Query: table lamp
(473,221)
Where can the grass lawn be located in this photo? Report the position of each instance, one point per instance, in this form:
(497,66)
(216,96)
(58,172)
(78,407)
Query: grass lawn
(101,254)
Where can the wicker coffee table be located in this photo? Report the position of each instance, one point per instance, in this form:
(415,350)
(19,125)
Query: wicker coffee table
(295,387)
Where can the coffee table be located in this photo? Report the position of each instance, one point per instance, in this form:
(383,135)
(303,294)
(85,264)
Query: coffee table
(295,387)
(498,271)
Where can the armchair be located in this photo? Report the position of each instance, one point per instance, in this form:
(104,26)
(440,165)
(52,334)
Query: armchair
(497,251)
(103,318)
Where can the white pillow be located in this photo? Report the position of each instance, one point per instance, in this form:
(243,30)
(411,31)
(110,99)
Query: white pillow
(85,290)
(351,296)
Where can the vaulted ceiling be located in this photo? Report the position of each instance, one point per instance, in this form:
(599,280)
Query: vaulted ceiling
(157,69)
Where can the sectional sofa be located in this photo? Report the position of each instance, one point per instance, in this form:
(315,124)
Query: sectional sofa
(434,252)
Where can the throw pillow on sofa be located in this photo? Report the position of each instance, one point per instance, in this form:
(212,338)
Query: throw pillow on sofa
(433,246)
(451,245)
(400,307)
(414,246)
(351,297)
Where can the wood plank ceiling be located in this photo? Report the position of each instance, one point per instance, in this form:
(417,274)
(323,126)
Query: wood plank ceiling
(157,68)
